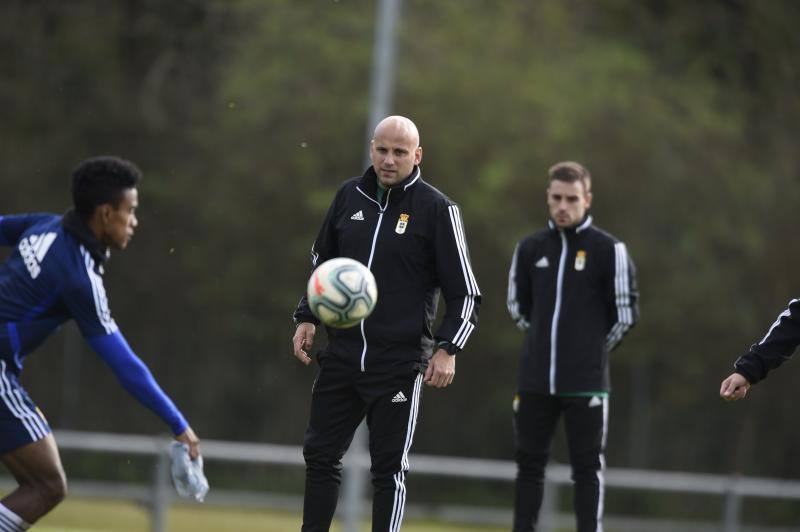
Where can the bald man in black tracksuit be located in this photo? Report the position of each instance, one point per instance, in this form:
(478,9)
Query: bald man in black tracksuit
(411,236)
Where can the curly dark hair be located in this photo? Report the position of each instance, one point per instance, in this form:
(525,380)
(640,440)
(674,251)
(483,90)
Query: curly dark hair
(100,180)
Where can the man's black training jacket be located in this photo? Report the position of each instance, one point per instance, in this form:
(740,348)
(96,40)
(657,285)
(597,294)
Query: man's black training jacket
(415,246)
(775,348)
(575,292)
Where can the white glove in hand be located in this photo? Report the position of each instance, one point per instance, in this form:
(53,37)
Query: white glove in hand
(187,474)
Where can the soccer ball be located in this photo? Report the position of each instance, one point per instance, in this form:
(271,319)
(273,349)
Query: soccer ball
(342,292)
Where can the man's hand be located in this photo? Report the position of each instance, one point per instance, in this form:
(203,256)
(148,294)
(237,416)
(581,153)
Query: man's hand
(303,340)
(441,369)
(734,387)
(190,438)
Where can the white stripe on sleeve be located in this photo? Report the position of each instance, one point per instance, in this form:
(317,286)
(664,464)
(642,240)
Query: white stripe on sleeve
(622,293)
(471,284)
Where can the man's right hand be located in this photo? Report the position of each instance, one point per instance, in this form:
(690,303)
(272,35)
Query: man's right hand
(190,438)
(734,387)
(303,340)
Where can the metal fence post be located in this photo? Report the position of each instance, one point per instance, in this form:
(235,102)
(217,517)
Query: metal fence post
(733,505)
(547,514)
(161,494)
(355,480)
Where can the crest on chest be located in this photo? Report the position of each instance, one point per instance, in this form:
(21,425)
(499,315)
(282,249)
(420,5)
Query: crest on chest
(580,260)
(402,224)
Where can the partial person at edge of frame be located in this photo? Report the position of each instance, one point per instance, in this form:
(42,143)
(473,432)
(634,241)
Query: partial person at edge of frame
(54,274)
(771,351)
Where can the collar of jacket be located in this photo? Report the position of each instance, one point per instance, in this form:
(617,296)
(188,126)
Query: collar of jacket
(575,229)
(73,224)
(369,182)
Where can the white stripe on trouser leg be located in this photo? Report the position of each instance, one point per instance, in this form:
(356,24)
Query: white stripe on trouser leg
(398,509)
(13,400)
(601,473)
(11,522)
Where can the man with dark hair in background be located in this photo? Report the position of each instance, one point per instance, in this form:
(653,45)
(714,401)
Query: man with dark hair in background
(53,274)
(411,237)
(572,287)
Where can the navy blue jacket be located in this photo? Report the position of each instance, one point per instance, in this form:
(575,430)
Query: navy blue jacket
(55,273)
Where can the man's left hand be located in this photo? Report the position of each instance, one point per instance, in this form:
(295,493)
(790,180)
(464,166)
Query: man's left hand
(441,369)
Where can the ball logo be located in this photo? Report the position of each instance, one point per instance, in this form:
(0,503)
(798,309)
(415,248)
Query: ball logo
(318,288)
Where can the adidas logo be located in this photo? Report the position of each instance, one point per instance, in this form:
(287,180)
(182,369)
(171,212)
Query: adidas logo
(358,216)
(542,263)
(33,249)
(595,401)
(399,398)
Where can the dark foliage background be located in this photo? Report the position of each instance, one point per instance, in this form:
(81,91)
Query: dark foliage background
(247,115)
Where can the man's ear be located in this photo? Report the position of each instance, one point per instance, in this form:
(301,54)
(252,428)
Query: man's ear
(105,211)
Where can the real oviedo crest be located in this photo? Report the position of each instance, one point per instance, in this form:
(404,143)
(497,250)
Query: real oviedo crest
(580,260)
(402,223)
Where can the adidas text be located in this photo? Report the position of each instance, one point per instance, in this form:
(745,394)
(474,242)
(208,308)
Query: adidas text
(399,398)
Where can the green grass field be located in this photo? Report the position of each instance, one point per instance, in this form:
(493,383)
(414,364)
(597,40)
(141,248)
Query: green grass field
(86,515)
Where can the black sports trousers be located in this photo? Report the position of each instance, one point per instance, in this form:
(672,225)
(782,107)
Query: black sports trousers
(342,396)
(586,424)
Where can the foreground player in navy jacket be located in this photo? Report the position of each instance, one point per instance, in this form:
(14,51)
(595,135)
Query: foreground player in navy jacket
(55,274)
(412,238)
(773,350)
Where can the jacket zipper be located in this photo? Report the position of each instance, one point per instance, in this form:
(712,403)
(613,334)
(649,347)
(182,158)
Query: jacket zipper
(381,210)
(556,311)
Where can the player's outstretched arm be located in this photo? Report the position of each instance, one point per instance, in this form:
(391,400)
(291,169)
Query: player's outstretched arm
(190,438)
(734,387)
(303,340)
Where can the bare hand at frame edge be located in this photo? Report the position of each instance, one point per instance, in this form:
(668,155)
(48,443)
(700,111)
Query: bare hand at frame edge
(734,387)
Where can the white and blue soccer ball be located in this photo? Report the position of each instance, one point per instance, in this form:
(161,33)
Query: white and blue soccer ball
(342,292)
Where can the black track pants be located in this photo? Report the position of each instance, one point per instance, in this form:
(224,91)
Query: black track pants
(341,398)
(586,423)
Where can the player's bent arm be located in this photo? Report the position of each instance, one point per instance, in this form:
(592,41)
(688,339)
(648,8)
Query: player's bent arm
(623,295)
(519,288)
(775,348)
(455,277)
(136,379)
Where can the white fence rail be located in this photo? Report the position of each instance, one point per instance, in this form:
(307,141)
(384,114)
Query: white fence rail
(158,495)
